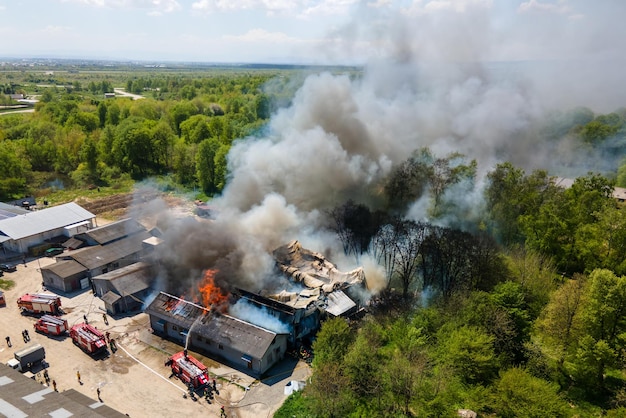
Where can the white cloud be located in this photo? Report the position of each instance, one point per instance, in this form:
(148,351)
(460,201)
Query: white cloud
(559,7)
(420,7)
(458,6)
(300,8)
(327,8)
(51,29)
(270,6)
(154,7)
(263,36)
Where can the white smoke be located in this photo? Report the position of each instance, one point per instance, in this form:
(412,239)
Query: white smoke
(258,316)
(343,133)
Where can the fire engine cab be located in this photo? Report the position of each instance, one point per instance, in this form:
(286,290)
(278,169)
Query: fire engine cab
(189,370)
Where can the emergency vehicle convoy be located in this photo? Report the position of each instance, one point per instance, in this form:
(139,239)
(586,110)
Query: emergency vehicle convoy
(188,369)
(52,325)
(37,303)
(88,338)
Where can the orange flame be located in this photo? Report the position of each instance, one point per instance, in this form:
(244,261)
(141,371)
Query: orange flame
(211,294)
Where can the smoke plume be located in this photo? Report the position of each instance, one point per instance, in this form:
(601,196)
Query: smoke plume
(474,77)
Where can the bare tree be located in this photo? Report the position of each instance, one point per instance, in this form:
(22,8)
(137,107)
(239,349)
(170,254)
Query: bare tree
(397,247)
(355,224)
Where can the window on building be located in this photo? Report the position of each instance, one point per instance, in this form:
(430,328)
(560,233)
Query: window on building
(220,346)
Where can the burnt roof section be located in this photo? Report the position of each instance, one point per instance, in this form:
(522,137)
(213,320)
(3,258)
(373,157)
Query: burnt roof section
(176,310)
(66,268)
(219,328)
(129,279)
(101,255)
(263,301)
(26,397)
(115,231)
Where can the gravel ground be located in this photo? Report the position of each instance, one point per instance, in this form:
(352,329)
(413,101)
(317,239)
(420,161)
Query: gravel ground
(134,380)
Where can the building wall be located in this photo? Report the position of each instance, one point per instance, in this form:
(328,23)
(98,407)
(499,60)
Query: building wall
(67,284)
(256,366)
(224,352)
(21,245)
(122,262)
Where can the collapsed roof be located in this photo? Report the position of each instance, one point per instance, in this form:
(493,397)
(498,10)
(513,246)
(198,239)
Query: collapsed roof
(313,270)
(324,283)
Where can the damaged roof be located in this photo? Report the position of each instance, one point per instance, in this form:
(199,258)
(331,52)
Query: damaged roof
(338,303)
(219,328)
(313,270)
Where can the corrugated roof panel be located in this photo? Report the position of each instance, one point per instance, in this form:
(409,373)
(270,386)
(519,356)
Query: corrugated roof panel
(40,221)
(339,303)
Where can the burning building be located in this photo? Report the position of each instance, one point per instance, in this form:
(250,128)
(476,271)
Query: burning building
(322,290)
(239,343)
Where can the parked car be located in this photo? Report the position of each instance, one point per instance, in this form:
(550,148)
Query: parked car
(51,252)
(7,268)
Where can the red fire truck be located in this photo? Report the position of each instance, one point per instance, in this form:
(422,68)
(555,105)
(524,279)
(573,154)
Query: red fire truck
(40,303)
(88,338)
(49,324)
(189,370)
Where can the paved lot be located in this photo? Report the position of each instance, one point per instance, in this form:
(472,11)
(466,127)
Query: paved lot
(134,380)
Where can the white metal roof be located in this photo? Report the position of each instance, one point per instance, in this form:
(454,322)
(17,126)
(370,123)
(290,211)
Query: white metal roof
(43,220)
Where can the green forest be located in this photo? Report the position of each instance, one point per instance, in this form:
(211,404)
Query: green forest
(182,129)
(519,314)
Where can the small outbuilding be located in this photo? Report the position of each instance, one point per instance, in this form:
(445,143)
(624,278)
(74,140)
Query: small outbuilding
(66,276)
(125,289)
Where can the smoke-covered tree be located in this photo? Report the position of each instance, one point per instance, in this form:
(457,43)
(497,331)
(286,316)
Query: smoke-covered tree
(510,195)
(397,247)
(408,181)
(447,260)
(355,225)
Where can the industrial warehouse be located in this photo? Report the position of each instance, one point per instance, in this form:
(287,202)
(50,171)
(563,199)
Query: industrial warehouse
(250,334)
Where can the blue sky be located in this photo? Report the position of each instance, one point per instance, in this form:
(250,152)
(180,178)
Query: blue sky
(311,31)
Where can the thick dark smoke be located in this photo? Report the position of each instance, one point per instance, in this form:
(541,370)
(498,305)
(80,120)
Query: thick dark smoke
(427,83)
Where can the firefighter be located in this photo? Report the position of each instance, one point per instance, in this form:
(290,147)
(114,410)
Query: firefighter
(26,335)
(46,377)
(98,392)
(85,318)
(54,385)
(105,319)
(78,377)
(8,341)
(222,411)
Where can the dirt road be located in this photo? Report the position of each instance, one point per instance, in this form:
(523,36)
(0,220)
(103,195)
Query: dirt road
(134,380)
